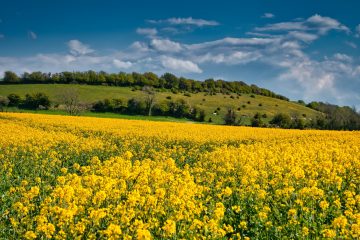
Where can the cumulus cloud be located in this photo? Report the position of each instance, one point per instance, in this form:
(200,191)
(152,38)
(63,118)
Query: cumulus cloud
(165,45)
(268,15)
(179,65)
(122,64)
(186,21)
(32,35)
(146,31)
(78,48)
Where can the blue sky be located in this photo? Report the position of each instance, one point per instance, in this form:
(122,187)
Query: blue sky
(302,49)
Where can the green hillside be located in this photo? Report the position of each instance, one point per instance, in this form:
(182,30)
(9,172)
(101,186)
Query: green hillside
(248,105)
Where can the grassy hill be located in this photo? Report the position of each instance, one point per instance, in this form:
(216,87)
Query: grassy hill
(247,104)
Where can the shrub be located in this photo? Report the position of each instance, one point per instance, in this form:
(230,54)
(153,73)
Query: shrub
(179,108)
(161,108)
(14,100)
(201,115)
(102,106)
(230,117)
(281,120)
(136,106)
(298,123)
(256,120)
(36,101)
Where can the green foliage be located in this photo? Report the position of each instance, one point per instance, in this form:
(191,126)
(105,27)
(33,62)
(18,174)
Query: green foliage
(11,77)
(299,123)
(281,120)
(136,106)
(14,100)
(89,94)
(337,118)
(230,117)
(256,121)
(36,101)
(138,80)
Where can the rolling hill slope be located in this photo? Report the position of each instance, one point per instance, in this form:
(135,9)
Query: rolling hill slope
(245,105)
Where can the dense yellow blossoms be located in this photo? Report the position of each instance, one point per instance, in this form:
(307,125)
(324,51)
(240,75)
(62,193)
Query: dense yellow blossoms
(87,178)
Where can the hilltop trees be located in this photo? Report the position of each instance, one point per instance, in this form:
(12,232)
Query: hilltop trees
(11,77)
(139,80)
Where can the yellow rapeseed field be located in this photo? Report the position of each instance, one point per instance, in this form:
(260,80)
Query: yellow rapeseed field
(89,178)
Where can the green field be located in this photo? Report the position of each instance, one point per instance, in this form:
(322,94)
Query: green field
(90,94)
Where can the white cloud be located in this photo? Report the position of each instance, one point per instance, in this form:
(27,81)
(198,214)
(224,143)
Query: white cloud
(187,21)
(325,24)
(179,65)
(342,57)
(79,48)
(122,64)
(282,26)
(268,15)
(165,45)
(315,23)
(32,35)
(139,46)
(238,57)
(357,31)
(233,42)
(351,44)
(146,31)
(292,69)
(192,21)
(303,36)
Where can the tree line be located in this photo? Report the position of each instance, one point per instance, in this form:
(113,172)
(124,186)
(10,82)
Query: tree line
(333,118)
(138,80)
(336,117)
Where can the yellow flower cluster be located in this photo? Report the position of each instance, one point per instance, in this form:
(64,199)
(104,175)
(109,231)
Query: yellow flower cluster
(89,178)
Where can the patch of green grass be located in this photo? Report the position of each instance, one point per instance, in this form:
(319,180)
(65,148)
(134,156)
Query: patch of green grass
(90,94)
